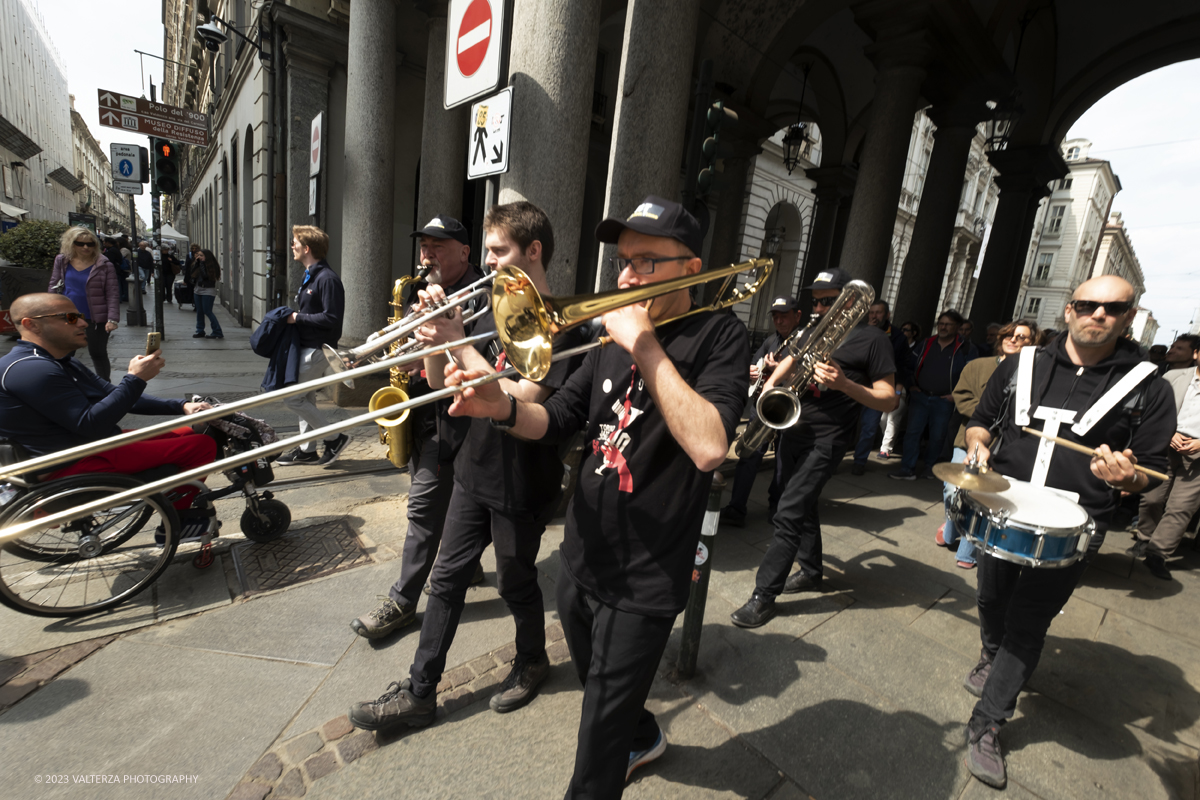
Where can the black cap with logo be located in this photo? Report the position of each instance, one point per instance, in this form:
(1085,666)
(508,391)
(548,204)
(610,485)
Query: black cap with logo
(831,279)
(656,217)
(441,227)
(784,303)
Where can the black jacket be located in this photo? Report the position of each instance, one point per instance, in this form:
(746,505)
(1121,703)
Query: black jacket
(1061,384)
(320,305)
(277,340)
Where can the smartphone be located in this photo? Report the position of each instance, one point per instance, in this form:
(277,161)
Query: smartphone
(153,342)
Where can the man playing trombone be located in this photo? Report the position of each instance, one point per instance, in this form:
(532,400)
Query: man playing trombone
(659,411)
(445,259)
(505,490)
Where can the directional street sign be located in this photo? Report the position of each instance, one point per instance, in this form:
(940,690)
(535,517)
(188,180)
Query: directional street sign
(490,135)
(474,43)
(127,187)
(127,160)
(139,115)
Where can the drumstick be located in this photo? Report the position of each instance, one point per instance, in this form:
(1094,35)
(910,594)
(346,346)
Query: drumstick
(1079,448)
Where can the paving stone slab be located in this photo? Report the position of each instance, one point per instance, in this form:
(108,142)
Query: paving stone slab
(136,709)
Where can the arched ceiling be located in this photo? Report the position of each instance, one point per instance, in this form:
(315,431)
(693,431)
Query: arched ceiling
(1072,54)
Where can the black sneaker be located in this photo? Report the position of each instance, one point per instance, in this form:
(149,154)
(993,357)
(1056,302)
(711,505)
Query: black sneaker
(731,516)
(757,612)
(297,456)
(1138,550)
(215,336)
(192,527)
(395,707)
(521,685)
(387,617)
(984,759)
(978,675)
(1157,566)
(902,475)
(333,450)
(198,335)
(858,469)
(800,581)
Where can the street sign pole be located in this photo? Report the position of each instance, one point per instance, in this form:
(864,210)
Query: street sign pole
(135,315)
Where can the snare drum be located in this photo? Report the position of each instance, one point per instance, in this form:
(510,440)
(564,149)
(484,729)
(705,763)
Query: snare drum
(1024,524)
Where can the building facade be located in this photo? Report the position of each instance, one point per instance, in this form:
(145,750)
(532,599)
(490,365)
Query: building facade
(36,161)
(94,169)
(1068,231)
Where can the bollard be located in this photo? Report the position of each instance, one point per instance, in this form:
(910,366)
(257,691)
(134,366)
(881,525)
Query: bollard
(693,615)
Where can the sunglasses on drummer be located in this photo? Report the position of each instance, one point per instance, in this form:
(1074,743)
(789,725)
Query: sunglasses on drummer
(1114,308)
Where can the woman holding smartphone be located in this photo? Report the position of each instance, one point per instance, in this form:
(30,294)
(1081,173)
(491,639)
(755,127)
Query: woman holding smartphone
(85,275)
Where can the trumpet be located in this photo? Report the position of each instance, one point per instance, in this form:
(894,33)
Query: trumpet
(381,340)
(532,360)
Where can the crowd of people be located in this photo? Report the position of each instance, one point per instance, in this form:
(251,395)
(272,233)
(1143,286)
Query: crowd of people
(656,412)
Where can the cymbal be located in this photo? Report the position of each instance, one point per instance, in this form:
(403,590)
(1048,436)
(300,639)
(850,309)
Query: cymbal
(970,480)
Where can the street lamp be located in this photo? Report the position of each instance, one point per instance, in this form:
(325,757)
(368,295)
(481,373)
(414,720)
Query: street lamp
(796,137)
(998,128)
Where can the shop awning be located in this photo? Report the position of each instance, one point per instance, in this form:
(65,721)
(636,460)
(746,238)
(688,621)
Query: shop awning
(12,211)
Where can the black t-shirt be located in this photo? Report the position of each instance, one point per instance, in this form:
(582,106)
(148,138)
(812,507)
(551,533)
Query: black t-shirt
(635,517)
(503,472)
(865,356)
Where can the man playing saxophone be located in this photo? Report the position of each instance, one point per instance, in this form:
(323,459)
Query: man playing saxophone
(860,372)
(445,255)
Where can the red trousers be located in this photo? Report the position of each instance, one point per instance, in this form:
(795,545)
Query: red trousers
(182,448)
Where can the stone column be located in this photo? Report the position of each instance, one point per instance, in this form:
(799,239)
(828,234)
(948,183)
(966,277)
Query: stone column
(881,169)
(925,267)
(366,267)
(1025,173)
(727,218)
(443,134)
(833,185)
(651,113)
(551,70)
(307,95)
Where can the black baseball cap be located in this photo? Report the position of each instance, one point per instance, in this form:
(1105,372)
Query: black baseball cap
(441,227)
(784,303)
(830,279)
(656,217)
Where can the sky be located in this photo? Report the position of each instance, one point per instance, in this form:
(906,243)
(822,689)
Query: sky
(1147,128)
(1149,131)
(112,31)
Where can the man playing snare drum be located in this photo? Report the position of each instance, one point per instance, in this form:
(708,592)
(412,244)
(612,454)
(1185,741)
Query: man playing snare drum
(1075,390)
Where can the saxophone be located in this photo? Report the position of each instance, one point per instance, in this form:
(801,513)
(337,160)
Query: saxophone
(779,406)
(394,431)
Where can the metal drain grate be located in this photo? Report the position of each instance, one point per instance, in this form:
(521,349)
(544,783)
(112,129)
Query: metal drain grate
(299,555)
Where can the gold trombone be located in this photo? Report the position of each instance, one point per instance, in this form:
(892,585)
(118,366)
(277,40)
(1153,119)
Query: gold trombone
(526,323)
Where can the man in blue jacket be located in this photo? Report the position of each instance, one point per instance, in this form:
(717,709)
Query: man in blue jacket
(49,401)
(939,362)
(320,304)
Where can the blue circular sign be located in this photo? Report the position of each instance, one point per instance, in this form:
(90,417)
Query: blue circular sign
(125,167)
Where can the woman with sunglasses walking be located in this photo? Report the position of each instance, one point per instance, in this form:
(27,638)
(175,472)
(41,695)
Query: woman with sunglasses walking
(89,279)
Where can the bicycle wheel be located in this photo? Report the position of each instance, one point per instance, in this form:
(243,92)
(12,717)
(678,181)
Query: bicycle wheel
(119,523)
(114,555)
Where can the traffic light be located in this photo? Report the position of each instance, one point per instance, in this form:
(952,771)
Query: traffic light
(164,157)
(717,117)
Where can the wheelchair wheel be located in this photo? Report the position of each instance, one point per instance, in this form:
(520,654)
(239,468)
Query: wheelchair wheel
(53,543)
(88,564)
(278,515)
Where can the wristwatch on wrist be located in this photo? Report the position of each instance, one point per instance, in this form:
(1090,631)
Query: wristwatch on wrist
(507,424)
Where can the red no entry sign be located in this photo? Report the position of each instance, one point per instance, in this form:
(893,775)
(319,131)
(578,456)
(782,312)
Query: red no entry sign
(474,33)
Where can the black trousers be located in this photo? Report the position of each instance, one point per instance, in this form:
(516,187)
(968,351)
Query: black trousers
(1016,606)
(616,654)
(470,527)
(97,343)
(428,500)
(808,465)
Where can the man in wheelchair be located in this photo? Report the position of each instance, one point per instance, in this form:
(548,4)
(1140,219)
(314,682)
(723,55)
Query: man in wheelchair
(49,401)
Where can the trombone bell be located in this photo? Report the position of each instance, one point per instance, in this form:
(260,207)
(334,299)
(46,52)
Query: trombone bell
(337,362)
